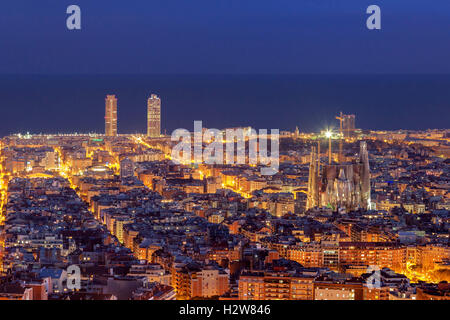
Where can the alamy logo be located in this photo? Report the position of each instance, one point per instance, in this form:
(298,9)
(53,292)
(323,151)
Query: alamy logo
(73,21)
(73,277)
(374,20)
(374,281)
(213,153)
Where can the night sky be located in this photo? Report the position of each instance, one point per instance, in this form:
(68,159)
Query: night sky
(138,47)
(225,36)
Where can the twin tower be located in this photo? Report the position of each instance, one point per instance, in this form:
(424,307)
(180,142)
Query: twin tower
(153,116)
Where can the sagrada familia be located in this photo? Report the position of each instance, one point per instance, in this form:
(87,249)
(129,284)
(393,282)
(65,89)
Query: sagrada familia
(343,186)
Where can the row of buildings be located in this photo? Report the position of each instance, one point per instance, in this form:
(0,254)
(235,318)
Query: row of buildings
(141,227)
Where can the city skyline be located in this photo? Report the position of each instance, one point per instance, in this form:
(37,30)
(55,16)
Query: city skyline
(298,234)
(237,158)
(307,102)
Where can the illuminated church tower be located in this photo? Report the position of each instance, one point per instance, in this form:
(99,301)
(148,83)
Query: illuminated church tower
(365,175)
(344,187)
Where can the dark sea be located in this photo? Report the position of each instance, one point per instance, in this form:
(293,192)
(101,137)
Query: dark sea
(75,103)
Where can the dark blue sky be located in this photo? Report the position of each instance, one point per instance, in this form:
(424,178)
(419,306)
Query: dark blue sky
(225,36)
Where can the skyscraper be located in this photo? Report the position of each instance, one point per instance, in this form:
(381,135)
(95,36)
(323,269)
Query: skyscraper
(154,116)
(111,116)
(348,125)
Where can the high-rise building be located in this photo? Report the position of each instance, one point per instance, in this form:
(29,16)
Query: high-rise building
(111,116)
(348,125)
(154,116)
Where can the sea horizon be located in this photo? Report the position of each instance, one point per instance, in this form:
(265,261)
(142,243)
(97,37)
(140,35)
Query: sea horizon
(75,102)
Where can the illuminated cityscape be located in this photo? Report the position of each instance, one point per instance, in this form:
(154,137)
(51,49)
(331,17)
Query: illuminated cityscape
(225,159)
(343,209)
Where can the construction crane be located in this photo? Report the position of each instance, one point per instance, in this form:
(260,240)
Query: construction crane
(341,119)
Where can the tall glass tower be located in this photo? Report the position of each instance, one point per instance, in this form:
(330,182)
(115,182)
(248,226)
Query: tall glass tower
(154,116)
(111,116)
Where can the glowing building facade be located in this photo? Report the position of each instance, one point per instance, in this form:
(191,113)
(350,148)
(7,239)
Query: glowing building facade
(343,186)
(111,116)
(154,116)
(348,125)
